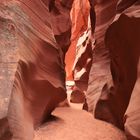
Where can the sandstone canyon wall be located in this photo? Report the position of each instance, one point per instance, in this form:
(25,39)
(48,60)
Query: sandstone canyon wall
(104,53)
(35,29)
(100,70)
(112,93)
(79,18)
(122,39)
(83,58)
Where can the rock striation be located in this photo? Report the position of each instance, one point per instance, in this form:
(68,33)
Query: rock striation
(42,40)
(79,18)
(122,39)
(112,93)
(83,59)
(82,63)
(104,54)
(113,90)
(100,70)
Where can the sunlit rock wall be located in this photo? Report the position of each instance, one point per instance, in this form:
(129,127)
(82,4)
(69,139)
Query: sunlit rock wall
(83,61)
(79,17)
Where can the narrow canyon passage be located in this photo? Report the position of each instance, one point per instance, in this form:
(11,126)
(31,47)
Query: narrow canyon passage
(69,69)
(72,124)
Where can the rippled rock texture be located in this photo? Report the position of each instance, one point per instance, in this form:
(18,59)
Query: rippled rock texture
(83,58)
(34,38)
(122,39)
(100,70)
(35,30)
(82,63)
(79,17)
(114,76)
(112,93)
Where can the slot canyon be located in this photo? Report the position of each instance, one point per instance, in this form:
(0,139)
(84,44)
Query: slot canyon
(69,69)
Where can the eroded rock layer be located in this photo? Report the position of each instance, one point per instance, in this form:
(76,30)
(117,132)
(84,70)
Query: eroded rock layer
(79,17)
(34,38)
(42,40)
(112,93)
(123,41)
(82,63)
(100,69)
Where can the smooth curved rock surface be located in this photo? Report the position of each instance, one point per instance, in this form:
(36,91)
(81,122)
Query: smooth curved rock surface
(78,57)
(33,44)
(77,95)
(82,63)
(83,60)
(100,70)
(123,41)
(124,4)
(42,40)
(79,17)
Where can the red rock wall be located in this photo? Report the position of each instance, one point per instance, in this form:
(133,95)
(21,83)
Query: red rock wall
(36,41)
(82,64)
(83,58)
(122,39)
(113,97)
(36,29)
(100,69)
(83,61)
(79,17)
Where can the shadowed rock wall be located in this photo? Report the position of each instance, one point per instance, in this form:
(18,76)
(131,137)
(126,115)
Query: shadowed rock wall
(122,39)
(34,38)
(100,69)
(35,29)
(113,85)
